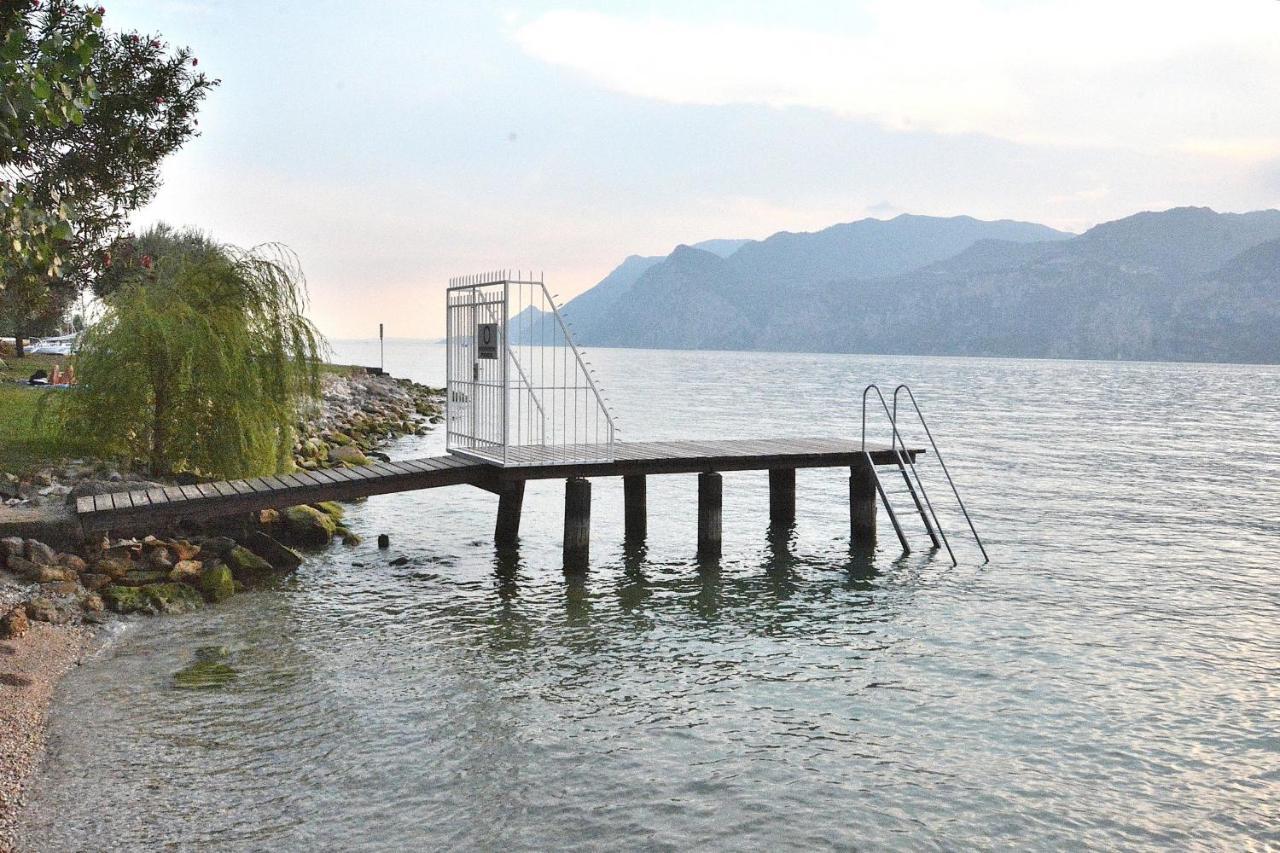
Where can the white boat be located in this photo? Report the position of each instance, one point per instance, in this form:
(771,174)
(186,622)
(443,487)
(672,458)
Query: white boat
(61,345)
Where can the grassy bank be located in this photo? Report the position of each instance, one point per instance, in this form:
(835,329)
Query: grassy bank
(26,440)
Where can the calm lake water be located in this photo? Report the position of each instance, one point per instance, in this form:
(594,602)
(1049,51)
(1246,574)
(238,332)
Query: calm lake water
(1110,679)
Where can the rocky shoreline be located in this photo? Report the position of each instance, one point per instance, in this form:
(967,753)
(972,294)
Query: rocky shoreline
(54,589)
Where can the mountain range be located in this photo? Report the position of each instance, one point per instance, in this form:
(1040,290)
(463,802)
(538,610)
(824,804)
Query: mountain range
(1184,284)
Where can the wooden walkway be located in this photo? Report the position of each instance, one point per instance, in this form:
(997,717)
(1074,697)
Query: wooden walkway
(151,508)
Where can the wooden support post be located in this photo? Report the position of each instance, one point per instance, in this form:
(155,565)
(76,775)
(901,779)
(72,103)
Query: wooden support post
(635,511)
(510,501)
(710,499)
(577,524)
(862,505)
(782,497)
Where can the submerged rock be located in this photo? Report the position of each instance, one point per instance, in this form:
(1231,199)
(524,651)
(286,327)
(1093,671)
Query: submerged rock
(203,674)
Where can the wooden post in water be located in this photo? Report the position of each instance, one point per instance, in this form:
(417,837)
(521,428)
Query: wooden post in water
(782,497)
(635,510)
(577,524)
(510,501)
(862,505)
(710,499)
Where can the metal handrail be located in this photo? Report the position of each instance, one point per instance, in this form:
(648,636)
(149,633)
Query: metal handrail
(542,415)
(938,453)
(893,424)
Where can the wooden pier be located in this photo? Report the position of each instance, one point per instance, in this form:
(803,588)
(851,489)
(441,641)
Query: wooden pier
(633,461)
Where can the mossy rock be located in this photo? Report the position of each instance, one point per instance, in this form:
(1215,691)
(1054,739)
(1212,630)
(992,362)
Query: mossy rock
(217,583)
(203,675)
(245,565)
(143,577)
(152,598)
(331,508)
(308,525)
(340,439)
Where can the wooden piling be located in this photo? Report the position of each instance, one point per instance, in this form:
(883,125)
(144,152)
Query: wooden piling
(506,531)
(577,524)
(635,509)
(862,505)
(710,500)
(782,497)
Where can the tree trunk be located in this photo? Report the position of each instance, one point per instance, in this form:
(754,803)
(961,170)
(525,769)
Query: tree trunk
(18,350)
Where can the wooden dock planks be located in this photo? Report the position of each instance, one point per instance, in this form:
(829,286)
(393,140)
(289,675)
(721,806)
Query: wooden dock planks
(123,510)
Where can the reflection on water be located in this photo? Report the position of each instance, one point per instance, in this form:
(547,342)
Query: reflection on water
(1108,680)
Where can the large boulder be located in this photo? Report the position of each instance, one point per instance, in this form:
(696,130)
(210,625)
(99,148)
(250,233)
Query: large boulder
(24,568)
(10,547)
(183,550)
(158,558)
(247,566)
(333,509)
(280,556)
(217,546)
(93,581)
(152,598)
(217,583)
(43,610)
(187,571)
(113,567)
(347,455)
(40,553)
(72,563)
(308,525)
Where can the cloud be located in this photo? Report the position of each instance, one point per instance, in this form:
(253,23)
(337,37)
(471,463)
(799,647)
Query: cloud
(1143,74)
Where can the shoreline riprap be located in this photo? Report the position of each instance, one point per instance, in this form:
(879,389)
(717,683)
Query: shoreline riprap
(54,589)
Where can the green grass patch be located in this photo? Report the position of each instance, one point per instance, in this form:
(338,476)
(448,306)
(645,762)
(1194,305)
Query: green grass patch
(29,441)
(20,369)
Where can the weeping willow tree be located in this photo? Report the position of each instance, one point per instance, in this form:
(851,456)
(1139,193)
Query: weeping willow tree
(201,362)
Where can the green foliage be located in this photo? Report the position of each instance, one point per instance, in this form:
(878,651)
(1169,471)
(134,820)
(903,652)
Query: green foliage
(45,82)
(134,256)
(201,364)
(86,117)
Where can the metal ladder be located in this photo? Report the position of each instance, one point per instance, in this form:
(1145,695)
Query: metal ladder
(906,463)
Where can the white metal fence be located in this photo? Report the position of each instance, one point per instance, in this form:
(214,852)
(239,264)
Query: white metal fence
(519,391)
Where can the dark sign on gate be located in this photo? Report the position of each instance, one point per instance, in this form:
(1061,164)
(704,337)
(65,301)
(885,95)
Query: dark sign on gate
(486,340)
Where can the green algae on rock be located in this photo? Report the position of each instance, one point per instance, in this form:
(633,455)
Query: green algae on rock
(247,566)
(152,598)
(308,525)
(217,583)
(203,674)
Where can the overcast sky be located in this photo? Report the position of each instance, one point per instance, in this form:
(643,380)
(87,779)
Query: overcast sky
(394,144)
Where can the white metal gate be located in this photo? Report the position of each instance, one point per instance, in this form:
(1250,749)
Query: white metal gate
(519,391)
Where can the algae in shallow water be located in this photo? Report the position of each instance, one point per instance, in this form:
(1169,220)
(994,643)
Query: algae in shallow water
(203,674)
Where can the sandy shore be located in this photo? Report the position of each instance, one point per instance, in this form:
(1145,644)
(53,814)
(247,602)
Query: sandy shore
(30,667)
